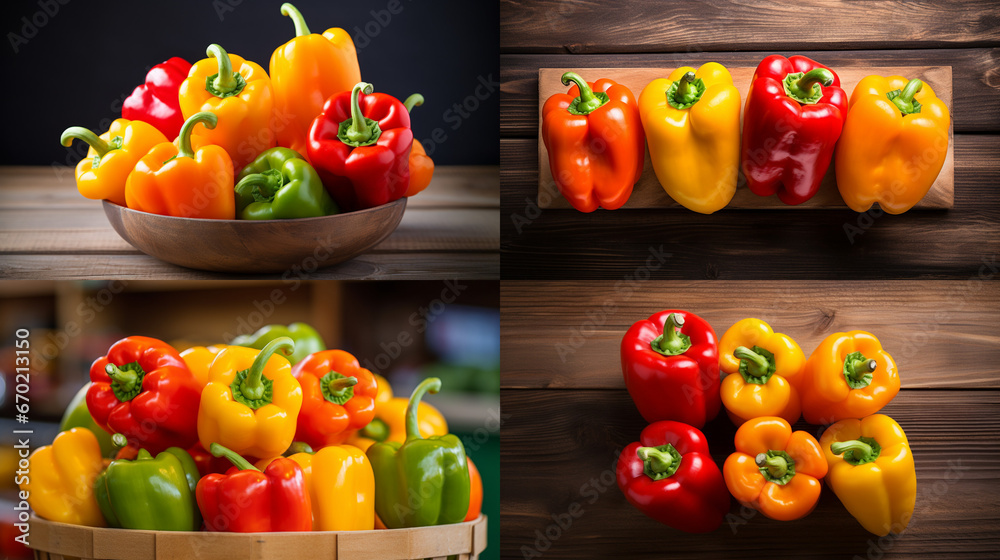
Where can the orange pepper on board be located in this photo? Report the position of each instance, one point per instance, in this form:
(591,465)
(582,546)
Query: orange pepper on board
(421,165)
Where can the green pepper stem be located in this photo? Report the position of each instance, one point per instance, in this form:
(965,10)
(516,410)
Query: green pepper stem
(341,383)
(659,461)
(225,82)
(430,385)
(686,90)
(777,466)
(80,133)
(301,29)
(757,365)
(184,148)
(252,387)
(234,457)
(803,87)
(904,101)
(267,183)
(125,378)
(412,101)
(859,368)
(119,440)
(359,131)
(860,450)
(375,430)
(298,447)
(671,342)
(588,101)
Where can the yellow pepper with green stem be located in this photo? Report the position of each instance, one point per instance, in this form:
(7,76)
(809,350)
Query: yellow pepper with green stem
(60,485)
(692,125)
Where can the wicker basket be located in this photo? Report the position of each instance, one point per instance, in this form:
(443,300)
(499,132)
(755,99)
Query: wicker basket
(59,541)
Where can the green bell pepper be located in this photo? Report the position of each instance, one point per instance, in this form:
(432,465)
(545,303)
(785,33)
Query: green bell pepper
(433,469)
(154,494)
(279,185)
(307,340)
(77,415)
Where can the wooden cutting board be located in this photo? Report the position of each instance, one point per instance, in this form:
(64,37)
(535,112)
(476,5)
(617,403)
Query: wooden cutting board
(649,194)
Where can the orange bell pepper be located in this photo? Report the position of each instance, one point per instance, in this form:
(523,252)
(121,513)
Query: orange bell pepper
(112,156)
(594,138)
(239,93)
(421,165)
(305,72)
(764,371)
(475,492)
(176,180)
(775,471)
(849,375)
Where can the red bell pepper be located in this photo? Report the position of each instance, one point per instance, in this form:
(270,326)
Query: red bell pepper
(673,374)
(670,476)
(360,146)
(338,398)
(790,127)
(206,462)
(156,101)
(246,500)
(144,390)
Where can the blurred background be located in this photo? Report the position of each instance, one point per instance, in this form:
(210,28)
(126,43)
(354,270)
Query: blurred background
(75,62)
(405,331)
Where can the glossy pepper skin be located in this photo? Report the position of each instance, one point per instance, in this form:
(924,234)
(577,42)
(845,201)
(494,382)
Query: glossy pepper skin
(61,481)
(199,360)
(692,124)
(389,421)
(360,146)
(143,389)
(238,92)
(790,127)
(672,374)
(849,375)
(764,372)
(280,184)
(872,472)
(434,467)
(251,401)
(594,138)
(341,487)
(248,500)
(112,156)
(670,476)
(307,339)
(152,494)
(174,179)
(421,165)
(894,144)
(77,415)
(475,492)
(774,470)
(305,72)
(156,101)
(338,398)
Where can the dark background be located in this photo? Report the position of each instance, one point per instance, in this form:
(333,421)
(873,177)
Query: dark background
(85,59)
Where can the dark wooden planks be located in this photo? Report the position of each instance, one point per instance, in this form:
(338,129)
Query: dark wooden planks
(556,26)
(976,106)
(556,445)
(564,334)
(732,244)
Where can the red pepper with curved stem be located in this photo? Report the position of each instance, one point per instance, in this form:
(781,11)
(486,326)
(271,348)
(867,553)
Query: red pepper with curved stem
(338,398)
(360,146)
(156,101)
(794,115)
(670,476)
(247,500)
(671,367)
(144,390)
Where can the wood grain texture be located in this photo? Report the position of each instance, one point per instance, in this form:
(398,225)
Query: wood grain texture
(974,108)
(647,192)
(578,27)
(567,335)
(558,447)
(735,244)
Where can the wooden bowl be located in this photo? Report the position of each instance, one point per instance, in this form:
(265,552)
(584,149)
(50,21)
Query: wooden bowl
(256,245)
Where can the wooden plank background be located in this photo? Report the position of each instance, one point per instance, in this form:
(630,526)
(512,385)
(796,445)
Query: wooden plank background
(567,415)
(731,244)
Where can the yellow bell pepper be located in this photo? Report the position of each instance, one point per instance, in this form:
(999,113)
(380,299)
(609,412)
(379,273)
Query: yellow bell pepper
(389,423)
(60,483)
(341,487)
(764,370)
(199,360)
(872,471)
(251,402)
(894,144)
(692,124)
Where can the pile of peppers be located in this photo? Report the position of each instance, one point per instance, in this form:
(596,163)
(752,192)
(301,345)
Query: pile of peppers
(223,139)
(269,432)
(672,363)
(891,137)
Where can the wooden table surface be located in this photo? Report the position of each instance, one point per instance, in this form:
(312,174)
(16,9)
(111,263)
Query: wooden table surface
(567,415)
(48,230)
(752,244)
